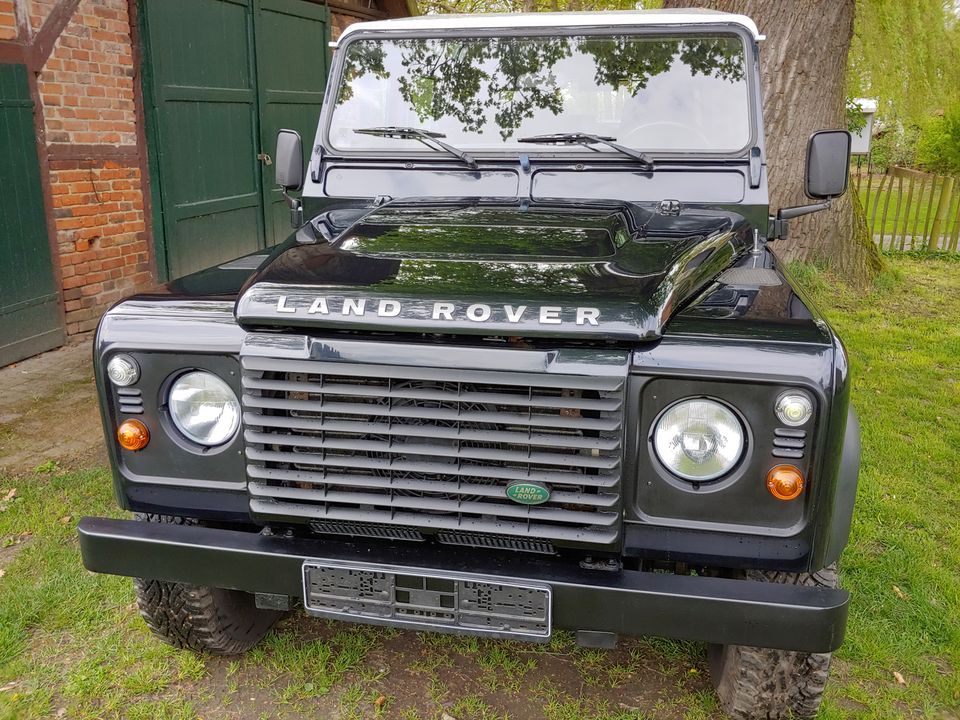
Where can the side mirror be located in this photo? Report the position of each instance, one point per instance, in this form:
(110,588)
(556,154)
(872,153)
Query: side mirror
(826,177)
(289,160)
(828,164)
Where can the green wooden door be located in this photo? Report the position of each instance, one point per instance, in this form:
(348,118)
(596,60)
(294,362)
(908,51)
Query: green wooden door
(221,76)
(30,317)
(291,42)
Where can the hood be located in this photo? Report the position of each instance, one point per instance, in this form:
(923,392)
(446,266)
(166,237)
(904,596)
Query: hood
(615,272)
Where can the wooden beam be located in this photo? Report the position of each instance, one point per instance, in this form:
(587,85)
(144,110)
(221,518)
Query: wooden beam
(13,52)
(54,25)
(344,7)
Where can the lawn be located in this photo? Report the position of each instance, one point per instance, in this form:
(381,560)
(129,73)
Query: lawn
(72,644)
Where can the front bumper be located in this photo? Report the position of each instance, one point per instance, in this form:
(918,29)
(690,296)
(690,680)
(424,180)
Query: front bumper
(707,609)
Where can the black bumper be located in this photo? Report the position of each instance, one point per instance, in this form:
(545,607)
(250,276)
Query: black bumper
(708,609)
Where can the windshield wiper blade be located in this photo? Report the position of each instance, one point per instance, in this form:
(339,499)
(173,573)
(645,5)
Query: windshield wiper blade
(427,137)
(580,138)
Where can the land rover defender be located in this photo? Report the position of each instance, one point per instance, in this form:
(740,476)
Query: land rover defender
(528,361)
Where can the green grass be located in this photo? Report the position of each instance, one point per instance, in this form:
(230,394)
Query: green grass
(71,642)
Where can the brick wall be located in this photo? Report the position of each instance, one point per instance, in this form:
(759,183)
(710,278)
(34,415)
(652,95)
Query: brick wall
(8,20)
(38,11)
(87,89)
(339,22)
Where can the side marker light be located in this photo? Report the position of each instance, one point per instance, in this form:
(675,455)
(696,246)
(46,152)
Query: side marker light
(133,435)
(785,482)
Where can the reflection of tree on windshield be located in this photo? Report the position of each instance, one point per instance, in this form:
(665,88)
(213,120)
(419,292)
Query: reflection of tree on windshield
(364,58)
(626,63)
(446,78)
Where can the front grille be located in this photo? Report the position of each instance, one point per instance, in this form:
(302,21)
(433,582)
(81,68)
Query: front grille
(434,449)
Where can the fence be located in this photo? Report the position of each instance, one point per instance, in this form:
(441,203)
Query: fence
(911,210)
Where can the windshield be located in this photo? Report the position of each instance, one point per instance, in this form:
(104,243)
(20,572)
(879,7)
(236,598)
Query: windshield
(686,93)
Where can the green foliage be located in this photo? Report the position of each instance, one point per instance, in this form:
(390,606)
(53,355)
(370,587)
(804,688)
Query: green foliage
(855,117)
(896,146)
(939,147)
(905,53)
(493,6)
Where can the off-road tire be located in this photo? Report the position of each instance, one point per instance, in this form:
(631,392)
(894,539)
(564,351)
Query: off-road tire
(200,618)
(763,684)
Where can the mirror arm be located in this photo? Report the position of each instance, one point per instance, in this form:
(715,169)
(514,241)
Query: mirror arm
(296,208)
(779,226)
(789,213)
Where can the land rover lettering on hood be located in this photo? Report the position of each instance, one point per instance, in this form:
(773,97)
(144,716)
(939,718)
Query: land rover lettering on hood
(527,353)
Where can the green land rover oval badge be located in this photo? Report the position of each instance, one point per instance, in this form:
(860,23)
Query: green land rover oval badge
(528,493)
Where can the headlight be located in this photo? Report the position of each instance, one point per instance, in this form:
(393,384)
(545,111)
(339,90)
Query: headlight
(794,408)
(698,439)
(204,408)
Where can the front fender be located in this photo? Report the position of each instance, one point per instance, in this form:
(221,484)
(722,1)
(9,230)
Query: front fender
(847,477)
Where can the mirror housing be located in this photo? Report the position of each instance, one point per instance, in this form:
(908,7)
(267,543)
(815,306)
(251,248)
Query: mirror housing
(288,162)
(826,176)
(828,164)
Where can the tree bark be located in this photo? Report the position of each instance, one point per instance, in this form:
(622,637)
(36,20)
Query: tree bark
(803,77)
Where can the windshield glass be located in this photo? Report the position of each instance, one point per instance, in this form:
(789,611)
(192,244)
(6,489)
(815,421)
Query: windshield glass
(655,93)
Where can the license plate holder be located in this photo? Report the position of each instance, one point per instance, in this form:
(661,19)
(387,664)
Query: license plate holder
(423,599)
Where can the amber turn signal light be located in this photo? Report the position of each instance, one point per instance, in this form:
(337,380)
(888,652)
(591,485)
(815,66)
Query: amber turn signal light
(785,482)
(133,435)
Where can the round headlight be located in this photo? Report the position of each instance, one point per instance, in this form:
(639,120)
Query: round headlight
(794,408)
(123,370)
(698,439)
(204,408)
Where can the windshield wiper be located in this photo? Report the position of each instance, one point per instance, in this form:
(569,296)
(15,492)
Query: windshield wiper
(580,138)
(427,137)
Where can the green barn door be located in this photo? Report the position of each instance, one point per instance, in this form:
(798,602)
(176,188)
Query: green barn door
(205,133)
(30,316)
(291,46)
(220,77)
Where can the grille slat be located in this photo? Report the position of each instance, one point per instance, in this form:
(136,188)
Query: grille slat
(359,427)
(342,390)
(385,465)
(422,486)
(609,383)
(374,446)
(434,449)
(559,533)
(440,414)
(538,513)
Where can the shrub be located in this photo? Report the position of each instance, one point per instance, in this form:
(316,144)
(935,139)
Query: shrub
(938,149)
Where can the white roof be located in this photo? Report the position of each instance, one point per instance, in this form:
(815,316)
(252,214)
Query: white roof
(566,20)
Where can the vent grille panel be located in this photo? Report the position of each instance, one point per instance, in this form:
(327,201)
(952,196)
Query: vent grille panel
(434,450)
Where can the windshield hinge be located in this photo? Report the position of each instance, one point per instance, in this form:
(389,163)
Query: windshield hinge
(381,200)
(669,207)
(525,163)
(755,167)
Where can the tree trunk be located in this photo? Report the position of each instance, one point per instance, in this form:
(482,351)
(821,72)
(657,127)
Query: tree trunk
(804,71)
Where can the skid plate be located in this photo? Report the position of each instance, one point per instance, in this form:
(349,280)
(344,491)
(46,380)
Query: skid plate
(426,600)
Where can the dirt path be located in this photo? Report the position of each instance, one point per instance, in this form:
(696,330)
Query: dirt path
(48,412)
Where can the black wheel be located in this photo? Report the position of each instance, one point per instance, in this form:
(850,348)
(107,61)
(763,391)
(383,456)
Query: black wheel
(201,618)
(760,683)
